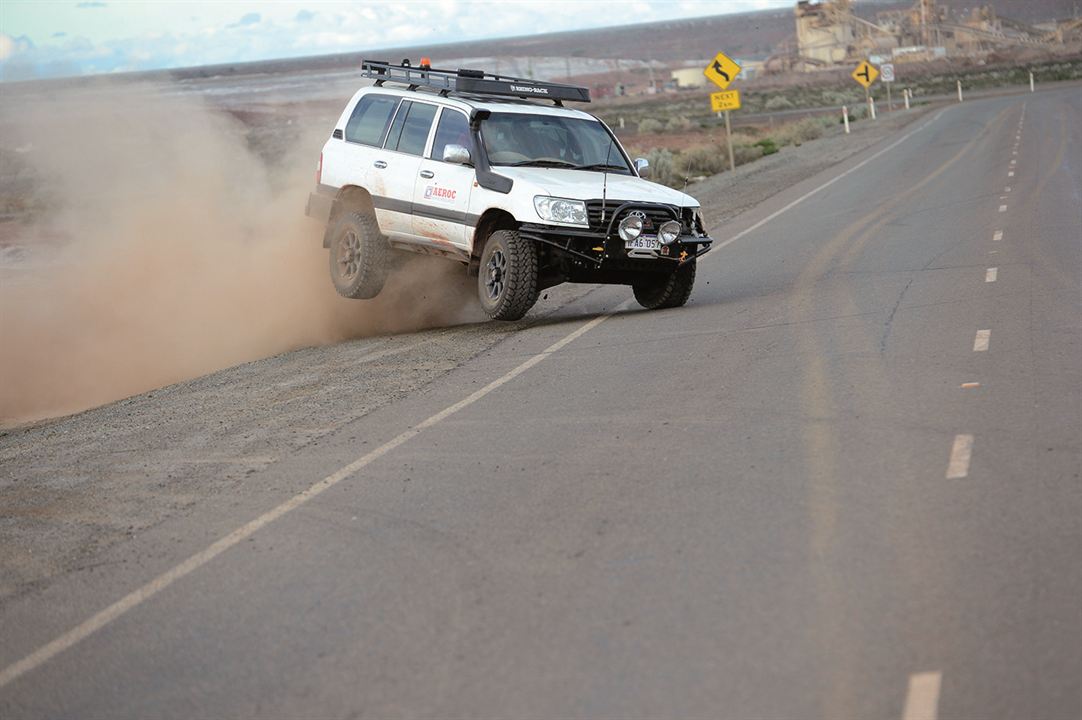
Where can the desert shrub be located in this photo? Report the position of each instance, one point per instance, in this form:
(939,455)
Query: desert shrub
(703,161)
(663,168)
(778,102)
(800,132)
(766,146)
(840,97)
(744,154)
(650,125)
(678,123)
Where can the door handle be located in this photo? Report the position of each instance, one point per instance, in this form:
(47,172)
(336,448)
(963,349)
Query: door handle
(427,174)
(380,164)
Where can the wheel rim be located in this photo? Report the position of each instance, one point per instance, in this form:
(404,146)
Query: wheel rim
(496,274)
(349,255)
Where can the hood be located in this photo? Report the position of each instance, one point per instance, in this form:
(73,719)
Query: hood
(587,185)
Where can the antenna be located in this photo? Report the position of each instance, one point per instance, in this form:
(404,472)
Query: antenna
(605,180)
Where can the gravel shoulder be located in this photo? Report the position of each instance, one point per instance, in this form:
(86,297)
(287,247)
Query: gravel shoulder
(72,487)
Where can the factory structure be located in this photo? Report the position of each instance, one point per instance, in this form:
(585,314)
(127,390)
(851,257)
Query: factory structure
(829,33)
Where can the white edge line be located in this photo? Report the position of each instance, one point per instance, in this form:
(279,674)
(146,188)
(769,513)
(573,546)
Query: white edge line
(148,590)
(825,185)
(922,698)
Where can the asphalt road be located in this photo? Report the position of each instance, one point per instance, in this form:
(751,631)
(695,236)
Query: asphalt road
(844,482)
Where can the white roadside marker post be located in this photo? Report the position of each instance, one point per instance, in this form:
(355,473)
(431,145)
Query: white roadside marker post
(1031,88)
(959,91)
(871,107)
(907,98)
(845,118)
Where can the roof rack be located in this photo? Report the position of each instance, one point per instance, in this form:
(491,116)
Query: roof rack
(475,82)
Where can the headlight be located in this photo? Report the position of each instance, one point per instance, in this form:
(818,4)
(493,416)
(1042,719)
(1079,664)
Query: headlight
(561,210)
(668,232)
(630,227)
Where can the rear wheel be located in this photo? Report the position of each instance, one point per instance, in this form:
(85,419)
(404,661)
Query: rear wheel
(507,281)
(359,256)
(672,291)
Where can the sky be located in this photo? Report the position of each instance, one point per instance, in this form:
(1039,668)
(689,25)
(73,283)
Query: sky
(50,38)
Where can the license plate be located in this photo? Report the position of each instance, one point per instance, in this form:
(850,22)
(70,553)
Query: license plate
(643,242)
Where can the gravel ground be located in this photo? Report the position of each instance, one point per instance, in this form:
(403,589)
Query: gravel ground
(71,487)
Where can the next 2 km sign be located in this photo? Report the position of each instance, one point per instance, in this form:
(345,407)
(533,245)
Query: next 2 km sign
(722,71)
(725,100)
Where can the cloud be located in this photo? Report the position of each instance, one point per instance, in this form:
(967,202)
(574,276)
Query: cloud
(247,19)
(350,27)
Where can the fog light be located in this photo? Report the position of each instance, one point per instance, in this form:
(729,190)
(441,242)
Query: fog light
(668,232)
(630,227)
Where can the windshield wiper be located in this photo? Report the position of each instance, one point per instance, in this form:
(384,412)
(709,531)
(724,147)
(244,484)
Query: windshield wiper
(543,163)
(601,166)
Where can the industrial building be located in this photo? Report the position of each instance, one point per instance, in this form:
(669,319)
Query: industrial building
(828,33)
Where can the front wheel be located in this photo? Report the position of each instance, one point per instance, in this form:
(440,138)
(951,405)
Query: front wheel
(669,292)
(507,281)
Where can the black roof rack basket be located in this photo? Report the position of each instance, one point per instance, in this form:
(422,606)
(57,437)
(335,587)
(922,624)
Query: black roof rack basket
(474,82)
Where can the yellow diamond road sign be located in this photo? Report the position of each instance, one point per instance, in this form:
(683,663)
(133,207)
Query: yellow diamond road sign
(722,71)
(865,74)
(725,100)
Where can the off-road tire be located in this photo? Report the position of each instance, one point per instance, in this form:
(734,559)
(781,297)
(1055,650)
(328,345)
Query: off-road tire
(507,281)
(671,292)
(359,256)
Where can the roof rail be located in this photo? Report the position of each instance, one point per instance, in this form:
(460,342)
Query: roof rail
(476,82)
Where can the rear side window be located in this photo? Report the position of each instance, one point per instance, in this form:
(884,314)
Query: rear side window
(415,128)
(370,119)
(453,129)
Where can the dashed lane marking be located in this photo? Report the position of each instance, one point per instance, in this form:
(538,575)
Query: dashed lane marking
(1003,208)
(970,385)
(990,274)
(922,700)
(961,453)
(193,563)
(980,342)
(1010,174)
(997,236)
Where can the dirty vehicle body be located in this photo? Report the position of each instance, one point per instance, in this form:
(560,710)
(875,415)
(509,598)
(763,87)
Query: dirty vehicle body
(527,195)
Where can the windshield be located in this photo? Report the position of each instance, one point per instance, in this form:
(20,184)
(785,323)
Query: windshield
(551,141)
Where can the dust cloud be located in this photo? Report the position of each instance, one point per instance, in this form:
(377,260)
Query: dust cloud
(169,249)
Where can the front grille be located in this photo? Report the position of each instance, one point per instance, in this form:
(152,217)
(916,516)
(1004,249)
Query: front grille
(655,214)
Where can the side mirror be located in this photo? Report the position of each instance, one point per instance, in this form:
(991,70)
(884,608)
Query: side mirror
(642,167)
(456,154)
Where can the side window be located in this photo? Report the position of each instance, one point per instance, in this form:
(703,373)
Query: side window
(453,129)
(370,118)
(396,127)
(415,129)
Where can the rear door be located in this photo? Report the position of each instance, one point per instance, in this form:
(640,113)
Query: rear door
(396,167)
(362,141)
(441,195)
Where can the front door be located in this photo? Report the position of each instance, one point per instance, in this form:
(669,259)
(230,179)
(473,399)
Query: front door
(441,195)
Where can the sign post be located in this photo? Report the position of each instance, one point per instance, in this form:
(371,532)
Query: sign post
(887,69)
(722,71)
(866,74)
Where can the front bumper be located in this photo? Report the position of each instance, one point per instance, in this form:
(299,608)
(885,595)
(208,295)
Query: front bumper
(602,249)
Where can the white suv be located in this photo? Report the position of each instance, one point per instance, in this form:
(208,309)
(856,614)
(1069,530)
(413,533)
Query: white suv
(472,167)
